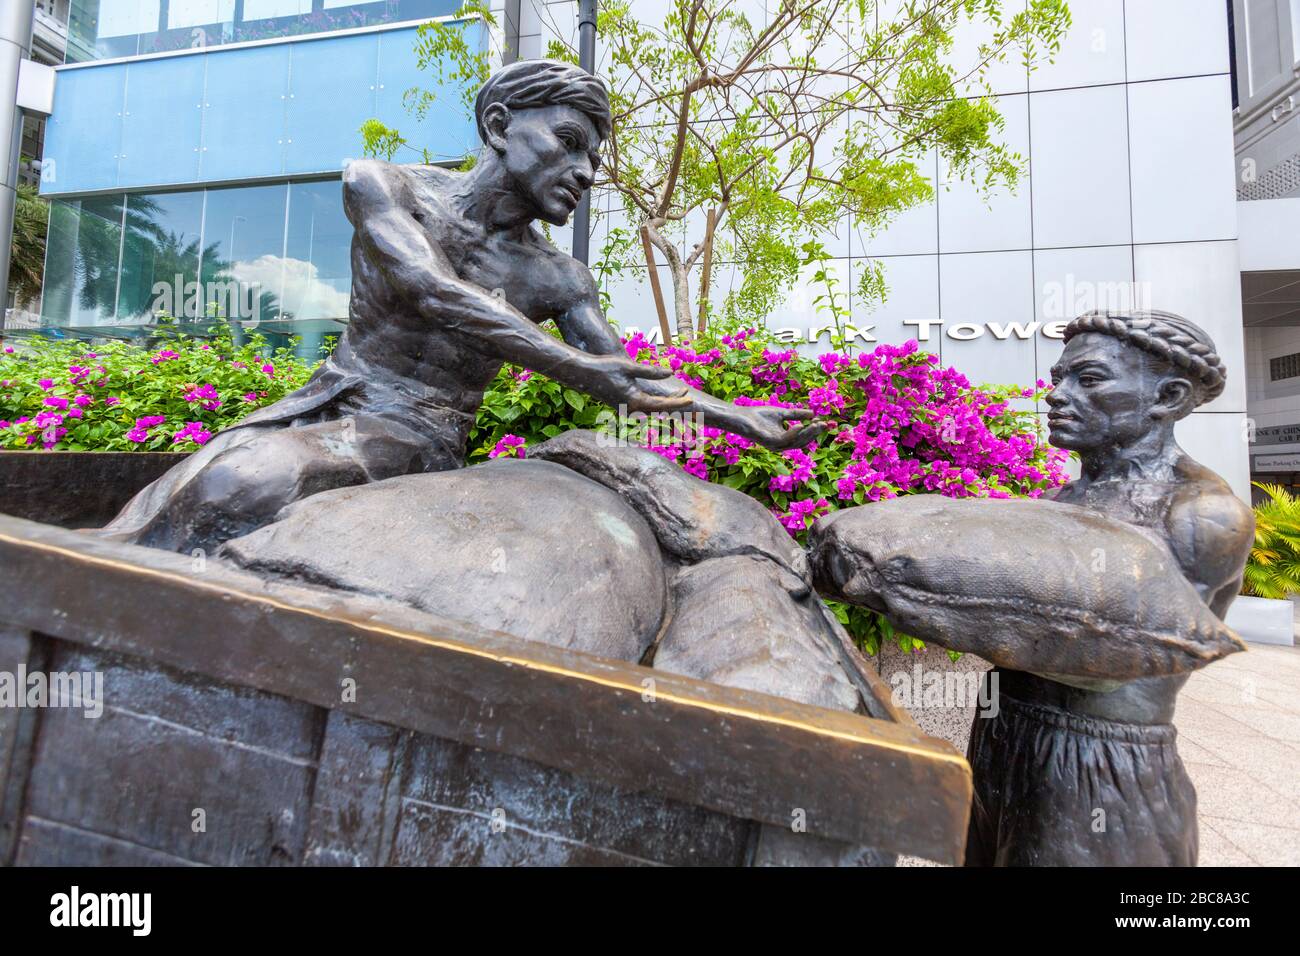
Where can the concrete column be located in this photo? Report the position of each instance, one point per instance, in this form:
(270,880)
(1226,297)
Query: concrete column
(15,46)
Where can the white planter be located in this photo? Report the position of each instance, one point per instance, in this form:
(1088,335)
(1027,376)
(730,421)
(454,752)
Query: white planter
(1262,620)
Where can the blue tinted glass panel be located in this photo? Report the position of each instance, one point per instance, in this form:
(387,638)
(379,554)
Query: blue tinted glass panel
(162,121)
(243,119)
(60,262)
(81,261)
(332,92)
(447,128)
(113,28)
(317,262)
(192,23)
(103,29)
(243,249)
(84,135)
(160,255)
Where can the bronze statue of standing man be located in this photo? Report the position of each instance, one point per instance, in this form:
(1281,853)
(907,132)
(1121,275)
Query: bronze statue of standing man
(1069,775)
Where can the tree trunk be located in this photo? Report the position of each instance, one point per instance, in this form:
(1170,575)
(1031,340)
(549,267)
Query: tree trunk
(681,295)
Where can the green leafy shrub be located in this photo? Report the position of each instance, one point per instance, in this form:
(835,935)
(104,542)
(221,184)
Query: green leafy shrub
(1273,570)
(65,395)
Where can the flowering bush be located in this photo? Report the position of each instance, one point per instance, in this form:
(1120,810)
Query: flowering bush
(898,424)
(65,395)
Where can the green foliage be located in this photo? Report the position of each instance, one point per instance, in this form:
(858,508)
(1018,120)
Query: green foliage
(1273,570)
(27,259)
(442,49)
(70,396)
(787,126)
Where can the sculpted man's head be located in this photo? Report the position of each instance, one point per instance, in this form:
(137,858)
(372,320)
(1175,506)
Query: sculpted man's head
(544,121)
(1124,374)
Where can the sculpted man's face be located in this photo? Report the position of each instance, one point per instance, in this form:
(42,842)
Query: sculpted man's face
(552,155)
(1105,394)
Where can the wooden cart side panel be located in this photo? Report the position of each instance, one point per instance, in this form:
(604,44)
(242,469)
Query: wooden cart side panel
(179,770)
(19,650)
(853,779)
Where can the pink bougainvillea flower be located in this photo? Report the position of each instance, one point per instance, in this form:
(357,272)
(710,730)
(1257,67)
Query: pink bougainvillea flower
(193,431)
(206,395)
(510,446)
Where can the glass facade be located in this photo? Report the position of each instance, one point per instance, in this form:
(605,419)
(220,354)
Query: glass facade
(273,111)
(276,255)
(205,185)
(103,29)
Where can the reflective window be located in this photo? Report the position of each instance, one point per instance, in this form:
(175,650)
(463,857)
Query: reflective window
(317,257)
(81,262)
(160,256)
(278,254)
(243,252)
(100,29)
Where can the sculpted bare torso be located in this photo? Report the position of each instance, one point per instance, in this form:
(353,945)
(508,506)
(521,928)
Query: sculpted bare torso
(1194,512)
(385,330)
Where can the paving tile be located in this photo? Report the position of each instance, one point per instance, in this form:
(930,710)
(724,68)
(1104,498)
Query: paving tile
(1195,753)
(1236,677)
(1194,718)
(1234,795)
(1272,763)
(1215,849)
(1244,691)
(1263,659)
(1275,725)
(1263,845)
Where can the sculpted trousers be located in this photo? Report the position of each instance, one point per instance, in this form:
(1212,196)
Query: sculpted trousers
(244,476)
(1058,789)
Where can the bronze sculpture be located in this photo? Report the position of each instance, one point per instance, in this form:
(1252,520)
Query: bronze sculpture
(449,280)
(1080,769)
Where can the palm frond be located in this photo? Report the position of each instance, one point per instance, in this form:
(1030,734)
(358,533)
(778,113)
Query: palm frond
(1273,570)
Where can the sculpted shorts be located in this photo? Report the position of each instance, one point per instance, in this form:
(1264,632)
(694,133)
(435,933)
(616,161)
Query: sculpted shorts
(1057,789)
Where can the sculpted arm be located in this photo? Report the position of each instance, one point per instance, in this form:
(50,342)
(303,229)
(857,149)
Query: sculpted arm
(1211,535)
(377,201)
(584,326)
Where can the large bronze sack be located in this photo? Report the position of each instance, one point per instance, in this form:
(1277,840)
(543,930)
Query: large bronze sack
(693,520)
(1031,585)
(524,547)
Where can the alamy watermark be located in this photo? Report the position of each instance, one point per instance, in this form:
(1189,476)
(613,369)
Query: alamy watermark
(925,688)
(227,298)
(655,429)
(82,690)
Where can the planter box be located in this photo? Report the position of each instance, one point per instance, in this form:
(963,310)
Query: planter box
(1262,620)
(76,489)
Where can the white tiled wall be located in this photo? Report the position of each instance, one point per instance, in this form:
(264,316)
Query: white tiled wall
(1129,178)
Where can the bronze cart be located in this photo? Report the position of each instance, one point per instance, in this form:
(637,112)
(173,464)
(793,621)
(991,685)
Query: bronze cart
(264,724)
